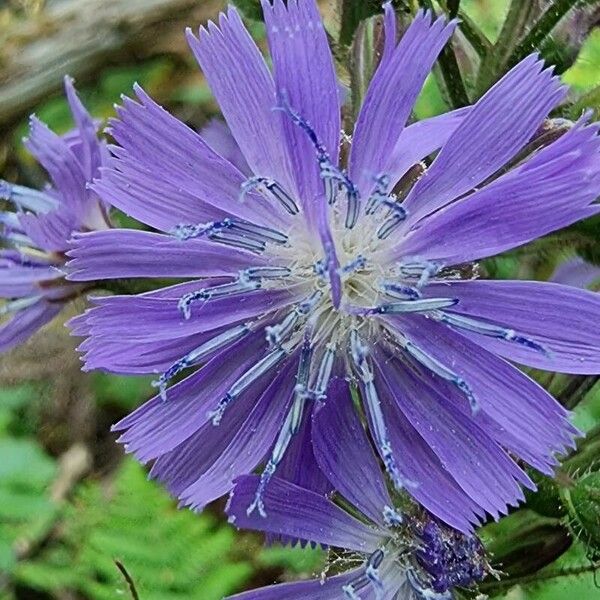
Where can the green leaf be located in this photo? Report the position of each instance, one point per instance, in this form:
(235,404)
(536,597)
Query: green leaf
(26,511)
(572,576)
(170,554)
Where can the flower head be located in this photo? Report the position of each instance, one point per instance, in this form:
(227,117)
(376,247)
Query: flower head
(35,234)
(312,275)
(390,555)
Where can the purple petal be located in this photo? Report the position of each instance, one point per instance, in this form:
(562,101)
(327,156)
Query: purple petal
(128,317)
(53,153)
(159,426)
(299,465)
(496,128)
(476,462)
(125,253)
(517,412)
(299,513)
(560,318)
(315,589)
(245,92)
(165,173)
(91,153)
(132,357)
(421,139)
(553,189)
(435,487)
(218,136)
(26,322)
(391,96)
(304,71)
(576,272)
(50,231)
(17,281)
(344,453)
(250,443)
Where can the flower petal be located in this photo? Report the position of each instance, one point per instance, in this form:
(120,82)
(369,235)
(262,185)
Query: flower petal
(553,189)
(127,317)
(421,139)
(577,272)
(164,173)
(26,322)
(218,136)
(434,488)
(124,253)
(559,317)
(345,455)
(315,589)
(476,462)
(53,153)
(159,426)
(517,412)
(299,513)
(249,445)
(91,156)
(245,92)
(304,72)
(495,129)
(391,96)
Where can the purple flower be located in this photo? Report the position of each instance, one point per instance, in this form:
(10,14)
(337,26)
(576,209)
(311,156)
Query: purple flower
(577,272)
(309,279)
(34,237)
(391,556)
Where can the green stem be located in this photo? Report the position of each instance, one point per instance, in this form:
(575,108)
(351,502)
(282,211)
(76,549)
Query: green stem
(449,66)
(544,25)
(128,579)
(478,40)
(494,63)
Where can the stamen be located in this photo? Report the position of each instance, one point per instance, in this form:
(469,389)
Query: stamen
(236,241)
(442,371)
(240,286)
(391,517)
(399,291)
(358,264)
(290,428)
(359,354)
(198,354)
(245,381)
(391,224)
(232,231)
(495,331)
(324,374)
(267,273)
(260,233)
(370,576)
(423,270)
(13,306)
(185,231)
(411,306)
(329,172)
(379,194)
(276,334)
(372,571)
(271,190)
